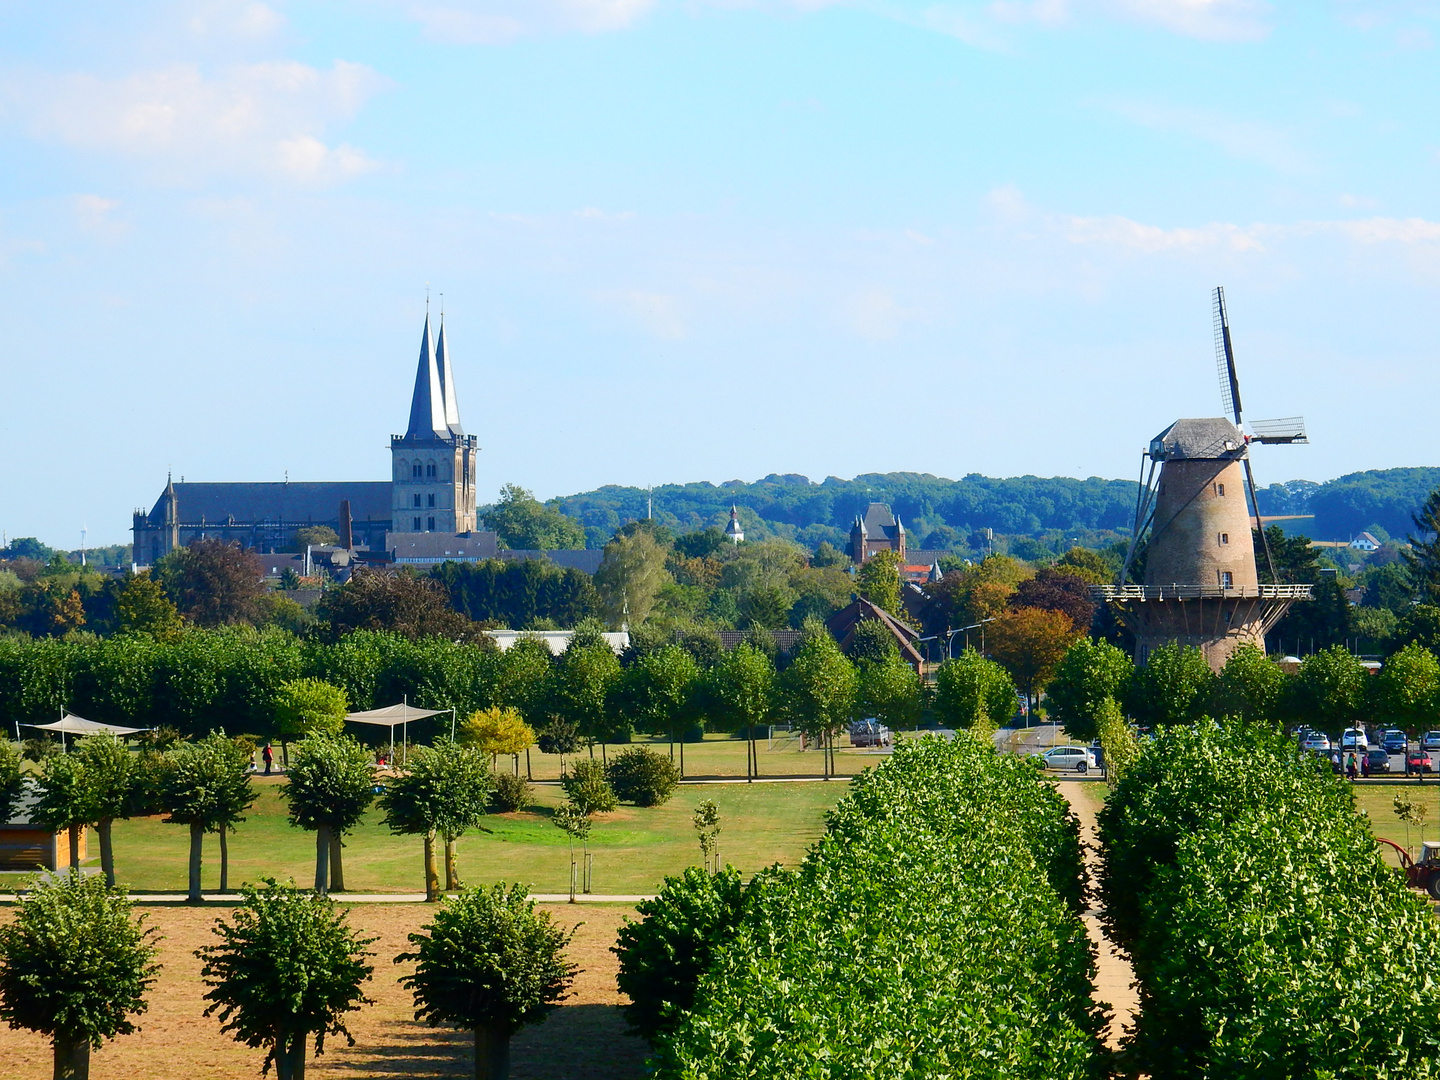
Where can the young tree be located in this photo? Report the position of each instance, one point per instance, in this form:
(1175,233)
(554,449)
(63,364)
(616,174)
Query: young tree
(11,778)
(329,787)
(739,694)
(489,963)
(706,820)
(303,706)
(74,966)
(444,791)
(1249,686)
(64,801)
(207,787)
(109,770)
(630,577)
(141,607)
(971,689)
(1175,686)
(1092,673)
(288,966)
(573,819)
(497,730)
(1408,687)
(1030,643)
(818,688)
(888,691)
(1117,741)
(1330,689)
(578,690)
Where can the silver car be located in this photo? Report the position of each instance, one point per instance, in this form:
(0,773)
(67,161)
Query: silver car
(1068,759)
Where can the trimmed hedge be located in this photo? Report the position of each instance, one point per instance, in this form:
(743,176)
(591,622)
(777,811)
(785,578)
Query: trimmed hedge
(1269,937)
(922,937)
(643,776)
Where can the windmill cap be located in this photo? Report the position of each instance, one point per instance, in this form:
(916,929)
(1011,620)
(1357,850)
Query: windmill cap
(1212,439)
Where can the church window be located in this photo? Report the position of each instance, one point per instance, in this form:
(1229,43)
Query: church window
(430,469)
(432,500)
(415,469)
(416,503)
(431,525)
(417,524)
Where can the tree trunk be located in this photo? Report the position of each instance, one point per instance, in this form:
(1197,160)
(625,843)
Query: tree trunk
(337,867)
(107,850)
(224,858)
(197,839)
(75,832)
(284,753)
(72,1057)
(452,876)
(322,858)
(492,1053)
(290,1057)
(432,874)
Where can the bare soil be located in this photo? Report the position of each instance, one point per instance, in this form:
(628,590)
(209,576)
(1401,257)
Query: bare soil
(585,1039)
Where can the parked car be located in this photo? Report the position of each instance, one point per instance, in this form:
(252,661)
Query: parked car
(1396,742)
(1316,741)
(1431,741)
(1068,759)
(1354,739)
(870,733)
(1378,760)
(1418,761)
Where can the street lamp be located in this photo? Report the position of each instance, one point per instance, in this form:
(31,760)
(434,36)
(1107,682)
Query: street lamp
(950,636)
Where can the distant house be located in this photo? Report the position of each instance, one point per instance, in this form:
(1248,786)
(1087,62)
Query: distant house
(26,846)
(1365,542)
(843,623)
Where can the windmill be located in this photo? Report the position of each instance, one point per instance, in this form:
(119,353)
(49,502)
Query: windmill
(1201,587)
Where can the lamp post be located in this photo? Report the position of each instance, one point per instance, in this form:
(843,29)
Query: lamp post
(950,645)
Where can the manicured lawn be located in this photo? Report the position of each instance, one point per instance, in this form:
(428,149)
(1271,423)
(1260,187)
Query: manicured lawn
(1377,802)
(634,848)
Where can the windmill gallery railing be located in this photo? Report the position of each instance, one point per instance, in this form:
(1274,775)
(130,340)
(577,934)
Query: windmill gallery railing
(1199,592)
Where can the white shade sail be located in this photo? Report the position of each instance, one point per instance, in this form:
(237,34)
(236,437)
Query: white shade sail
(76,725)
(392,715)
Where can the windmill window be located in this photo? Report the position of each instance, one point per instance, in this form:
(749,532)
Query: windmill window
(1227,579)
(1220,490)
(1224,538)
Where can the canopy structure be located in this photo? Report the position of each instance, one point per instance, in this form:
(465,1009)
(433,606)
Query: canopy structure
(391,715)
(69,724)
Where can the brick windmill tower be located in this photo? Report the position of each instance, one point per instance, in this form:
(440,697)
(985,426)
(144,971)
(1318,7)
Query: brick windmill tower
(1200,582)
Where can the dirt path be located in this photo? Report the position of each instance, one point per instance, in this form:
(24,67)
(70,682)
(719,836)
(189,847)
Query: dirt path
(1113,976)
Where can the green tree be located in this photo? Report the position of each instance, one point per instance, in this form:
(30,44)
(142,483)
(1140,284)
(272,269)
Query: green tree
(1422,557)
(1117,741)
(141,607)
(207,787)
(658,691)
(971,689)
(314,536)
(11,778)
(1250,686)
(631,575)
(522,523)
(64,801)
(405,603)
(1174,686)
(109,771)
(578,690)
(641,776)
(308,707)
(1329,689)
(1421,625)
(879,581)
(1091,673)
(328,787)
(74,966)
(1408,687)
(443,792)
(818,688)
(288,966)
(587,786)
(888,691)
(497,730)
(738,695)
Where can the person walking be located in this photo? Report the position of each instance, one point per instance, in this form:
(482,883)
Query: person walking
(268,756)
(1365,766)
(1350,770)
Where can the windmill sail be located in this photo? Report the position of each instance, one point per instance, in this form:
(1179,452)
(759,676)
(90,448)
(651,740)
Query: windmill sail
(1225,358)
(1289,429)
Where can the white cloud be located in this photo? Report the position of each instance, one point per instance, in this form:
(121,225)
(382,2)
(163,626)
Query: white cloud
(1210,20)
(1381,230)
(1122,232)
(497,22)
(242,19)
(93,213)
(266,117)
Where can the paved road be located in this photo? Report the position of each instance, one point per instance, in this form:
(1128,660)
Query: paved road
(178,899)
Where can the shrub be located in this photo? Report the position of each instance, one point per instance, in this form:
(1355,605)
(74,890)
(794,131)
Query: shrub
(511,793)
(643,776)
(558,737)
(664,954)
(588,787)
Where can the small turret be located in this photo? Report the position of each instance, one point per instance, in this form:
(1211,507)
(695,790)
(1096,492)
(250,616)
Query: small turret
(734,531)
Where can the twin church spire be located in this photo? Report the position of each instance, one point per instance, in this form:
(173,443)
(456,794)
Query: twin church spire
(434,410)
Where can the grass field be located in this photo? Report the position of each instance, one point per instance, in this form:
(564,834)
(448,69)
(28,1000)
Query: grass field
(633,848)
(585,1038)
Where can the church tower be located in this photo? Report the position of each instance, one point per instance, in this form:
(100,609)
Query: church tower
(433,463)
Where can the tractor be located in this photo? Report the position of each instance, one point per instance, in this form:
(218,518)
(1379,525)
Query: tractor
(1424,874)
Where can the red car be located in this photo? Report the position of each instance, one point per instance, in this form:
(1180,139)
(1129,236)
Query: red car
(1418,761)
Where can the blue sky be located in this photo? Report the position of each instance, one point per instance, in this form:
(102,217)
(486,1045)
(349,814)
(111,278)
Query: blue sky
(707,239)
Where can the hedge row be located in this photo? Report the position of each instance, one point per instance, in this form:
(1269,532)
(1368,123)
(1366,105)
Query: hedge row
(1269,937)
(933,931)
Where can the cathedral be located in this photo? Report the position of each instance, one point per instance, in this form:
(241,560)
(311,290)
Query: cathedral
(428,503)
